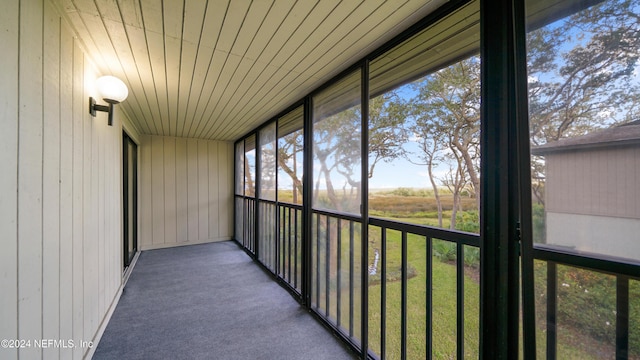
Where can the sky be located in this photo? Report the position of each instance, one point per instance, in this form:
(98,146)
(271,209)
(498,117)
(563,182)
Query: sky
(387,175)
(400,172)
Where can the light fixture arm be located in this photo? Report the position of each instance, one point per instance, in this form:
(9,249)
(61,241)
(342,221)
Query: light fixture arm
(93,107)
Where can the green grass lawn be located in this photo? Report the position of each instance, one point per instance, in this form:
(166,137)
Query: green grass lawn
(444,315)
(574,342)
(443,311)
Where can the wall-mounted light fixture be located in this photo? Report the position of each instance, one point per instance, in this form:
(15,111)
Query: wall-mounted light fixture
(113,91)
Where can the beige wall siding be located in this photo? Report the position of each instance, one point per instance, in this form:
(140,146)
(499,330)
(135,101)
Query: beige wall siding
(612,236)
(186,191)
(601,182)
(60,203)
(9,63)
(30,120)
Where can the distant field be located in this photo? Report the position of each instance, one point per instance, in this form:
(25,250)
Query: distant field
(405,202)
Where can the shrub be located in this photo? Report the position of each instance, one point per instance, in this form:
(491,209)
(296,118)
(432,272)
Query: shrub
(402,191)
(444,251)
(586,303)
(539,226)
(468,221)
(393,274)
(471,256)
(413,206)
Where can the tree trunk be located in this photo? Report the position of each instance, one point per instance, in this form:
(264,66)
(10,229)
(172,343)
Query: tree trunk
(436,194)
(249,179)
(331,193)
(454,211)
(297,184)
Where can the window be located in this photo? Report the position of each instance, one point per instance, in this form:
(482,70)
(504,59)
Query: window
(336,230)
(268,162)
(337,149)
(250,166)
(583,91)
(424,169)
(291,156)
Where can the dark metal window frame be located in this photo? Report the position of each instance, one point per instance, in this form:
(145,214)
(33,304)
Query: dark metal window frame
(126,141)
(507,250)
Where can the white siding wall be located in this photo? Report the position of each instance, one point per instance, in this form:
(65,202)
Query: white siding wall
(60,188)
(186,191)
(605,235)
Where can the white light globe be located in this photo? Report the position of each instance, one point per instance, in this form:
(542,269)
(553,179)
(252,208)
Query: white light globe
(112,89)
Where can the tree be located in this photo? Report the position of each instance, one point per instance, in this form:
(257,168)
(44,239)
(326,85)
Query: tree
(581,71)
(387,135)
(249,165)
(431,143)
(268,151)
(455,180)
(447,114)
(572,91)
(289,146)
(337,149)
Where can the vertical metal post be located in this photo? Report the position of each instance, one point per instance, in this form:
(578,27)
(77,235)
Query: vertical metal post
(259,244)
(403,301)
(429,299)
(552,309)
(317,267)
(234,216)
(327,267)
(277,229)
(499,299)
(281,236)
(524,194)
(351,277)
(622,317)
(307,182)
(290,228)
(275,247)
(296,239)
(339,263)
(365,206)
(383,293)
(245,228)
(460,300)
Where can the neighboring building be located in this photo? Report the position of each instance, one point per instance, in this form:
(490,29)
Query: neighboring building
(592,197)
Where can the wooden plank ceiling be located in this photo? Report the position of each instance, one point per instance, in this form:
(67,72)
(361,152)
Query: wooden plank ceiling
(217,69)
